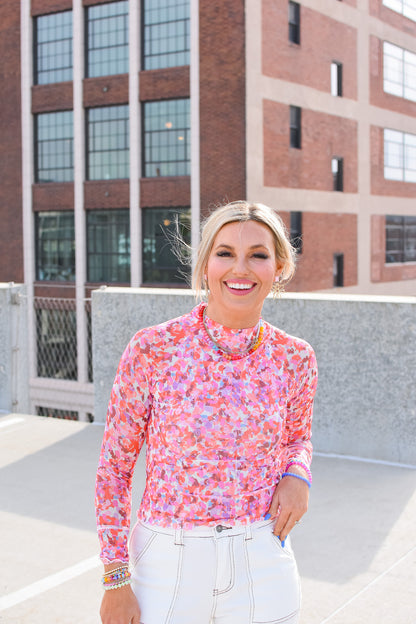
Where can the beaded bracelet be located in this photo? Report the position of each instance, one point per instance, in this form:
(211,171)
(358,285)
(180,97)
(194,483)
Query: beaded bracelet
(116,576)
(303,466)
(117,585)
(292,474)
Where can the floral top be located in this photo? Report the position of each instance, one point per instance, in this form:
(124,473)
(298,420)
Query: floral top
(219,432)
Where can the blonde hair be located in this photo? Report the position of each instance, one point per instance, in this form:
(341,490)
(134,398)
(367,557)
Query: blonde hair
(241,211)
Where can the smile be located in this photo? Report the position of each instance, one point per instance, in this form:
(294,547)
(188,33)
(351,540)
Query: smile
(241,287)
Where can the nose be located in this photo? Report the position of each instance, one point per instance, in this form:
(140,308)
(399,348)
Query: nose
(240,265)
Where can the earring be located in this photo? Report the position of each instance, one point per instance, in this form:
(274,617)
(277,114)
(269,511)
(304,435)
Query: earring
(277,278)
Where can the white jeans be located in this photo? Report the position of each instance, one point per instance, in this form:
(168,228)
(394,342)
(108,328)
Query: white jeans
(214,575)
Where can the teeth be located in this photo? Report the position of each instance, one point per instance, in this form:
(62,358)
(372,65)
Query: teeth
(240,286)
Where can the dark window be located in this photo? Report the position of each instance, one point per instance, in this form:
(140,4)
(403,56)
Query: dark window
(295,126)
(160,229)
(336,78)
(338,269)
(108,143)
(55,246)
(54,155)
(294,22)
(337,166)
(53,48)
(296,231)
(165,35)
(107,39)
(52,412)
(400,239)
(108,246)
(167,138)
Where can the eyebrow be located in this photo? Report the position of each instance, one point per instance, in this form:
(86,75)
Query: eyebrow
(251,247)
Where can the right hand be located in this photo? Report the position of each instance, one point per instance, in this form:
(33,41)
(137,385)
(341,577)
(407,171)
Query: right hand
(120,606)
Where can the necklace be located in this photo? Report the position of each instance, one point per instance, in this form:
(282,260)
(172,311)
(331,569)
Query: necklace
(228,353)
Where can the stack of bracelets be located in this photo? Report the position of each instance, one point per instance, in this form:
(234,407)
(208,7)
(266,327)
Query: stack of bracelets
(117,578)
(304,467)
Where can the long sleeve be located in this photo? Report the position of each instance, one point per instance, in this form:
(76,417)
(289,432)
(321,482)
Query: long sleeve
(123,439)
(297,434)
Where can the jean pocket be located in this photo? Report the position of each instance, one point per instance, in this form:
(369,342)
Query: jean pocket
(140,541)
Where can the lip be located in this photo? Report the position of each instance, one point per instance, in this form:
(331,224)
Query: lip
(241,291)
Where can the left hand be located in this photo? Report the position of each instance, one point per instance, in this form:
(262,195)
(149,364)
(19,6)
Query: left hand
(289,504)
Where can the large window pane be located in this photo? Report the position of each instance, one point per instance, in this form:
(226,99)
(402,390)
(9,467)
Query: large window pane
(108,39)
(108,143)
(166,39)
(400,238)
(399,156)
(54,134)
(53,48)
(55,246)
(108,246)
(399,67)
(167,138)
(161,264)
(405,7)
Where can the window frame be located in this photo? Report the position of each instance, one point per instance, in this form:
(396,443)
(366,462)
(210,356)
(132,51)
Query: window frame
(403,7)
(405,225)
(171,54)
(88,50)
(294,22)
(295,127)
(336,78)
(296,231)
(405,62)
(36,55)
(114,213)
(123,167)
(405,154)
(338,175)
(338,270)
(37,141)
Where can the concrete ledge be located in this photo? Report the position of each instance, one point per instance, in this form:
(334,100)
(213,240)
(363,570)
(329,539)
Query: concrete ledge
(366,350)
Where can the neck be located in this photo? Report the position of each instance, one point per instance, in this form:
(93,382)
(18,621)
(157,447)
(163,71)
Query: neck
(234,319)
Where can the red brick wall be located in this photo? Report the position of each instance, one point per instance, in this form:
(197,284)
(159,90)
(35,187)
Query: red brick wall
(165,191)
(164,84)
(222,102)
(42,7)
(380,186)
(324,235)
(106,90)
(53,196)
(53,97)
(101,194)
(323,137)
(11,233)
(380,271)
(383,13)
(322,40)
(377,95)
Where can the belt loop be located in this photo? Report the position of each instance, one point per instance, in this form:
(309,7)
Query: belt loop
(179,537)
(249,535)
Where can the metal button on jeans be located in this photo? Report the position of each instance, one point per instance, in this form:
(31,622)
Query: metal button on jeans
(221,527)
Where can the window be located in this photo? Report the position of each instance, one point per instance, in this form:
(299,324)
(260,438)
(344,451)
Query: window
(167,138)
(405,7)
(399,156)
(296,231)
(338,270)
(166,40)
(55,246)
(399,71)
(53,48)
(400,239)
(337,166)
(108,246)
(54,134)
(294,22)
(108,143)
(56,338)
(160,228)
(336,78)
(295,126)
(107,39)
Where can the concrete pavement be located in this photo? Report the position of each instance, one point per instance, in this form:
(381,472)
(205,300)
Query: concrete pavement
(356,548)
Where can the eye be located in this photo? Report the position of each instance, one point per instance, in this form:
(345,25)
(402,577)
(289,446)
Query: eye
(262,256)
(223,254)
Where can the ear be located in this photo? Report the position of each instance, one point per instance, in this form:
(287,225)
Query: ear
(279,271)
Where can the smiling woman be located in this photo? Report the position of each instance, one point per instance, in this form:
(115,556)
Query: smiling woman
(224,401)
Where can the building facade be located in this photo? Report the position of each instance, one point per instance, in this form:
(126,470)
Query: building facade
(126,120)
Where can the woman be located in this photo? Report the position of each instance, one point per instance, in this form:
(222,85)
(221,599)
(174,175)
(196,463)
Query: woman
(224,401)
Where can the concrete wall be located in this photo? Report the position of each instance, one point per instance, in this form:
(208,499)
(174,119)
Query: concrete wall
(14,371)
(366,350)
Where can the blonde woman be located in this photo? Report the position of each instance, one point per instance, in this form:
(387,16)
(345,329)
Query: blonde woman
(224,401)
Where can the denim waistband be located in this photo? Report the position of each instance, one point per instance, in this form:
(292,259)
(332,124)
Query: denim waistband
(217,531)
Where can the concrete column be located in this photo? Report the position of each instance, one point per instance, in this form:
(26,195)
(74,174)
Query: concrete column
(195,146)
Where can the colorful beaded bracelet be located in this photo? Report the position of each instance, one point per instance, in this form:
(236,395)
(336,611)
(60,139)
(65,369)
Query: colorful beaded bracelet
(301,465)
(293,474)
(115,576)
(117,585)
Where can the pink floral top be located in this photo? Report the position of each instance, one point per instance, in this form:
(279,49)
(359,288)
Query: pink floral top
(219,433)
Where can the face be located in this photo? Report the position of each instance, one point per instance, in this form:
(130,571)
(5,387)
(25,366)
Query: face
(240,272)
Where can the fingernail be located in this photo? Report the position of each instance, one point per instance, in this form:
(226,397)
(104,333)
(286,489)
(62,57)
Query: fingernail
(283,543)
(267,516)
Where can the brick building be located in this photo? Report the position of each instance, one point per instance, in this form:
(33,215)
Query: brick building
(120,118)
